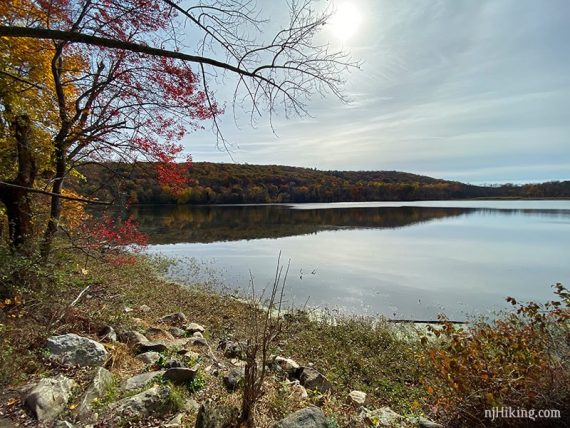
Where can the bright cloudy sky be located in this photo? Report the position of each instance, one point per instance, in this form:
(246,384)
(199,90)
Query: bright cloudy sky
(470,90)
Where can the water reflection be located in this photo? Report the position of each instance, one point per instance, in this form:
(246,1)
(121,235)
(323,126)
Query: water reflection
(405,262)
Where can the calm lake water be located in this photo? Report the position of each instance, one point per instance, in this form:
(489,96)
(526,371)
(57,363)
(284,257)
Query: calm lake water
(402,260)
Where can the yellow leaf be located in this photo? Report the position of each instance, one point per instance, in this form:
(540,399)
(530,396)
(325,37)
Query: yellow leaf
(84,271)
(72,406)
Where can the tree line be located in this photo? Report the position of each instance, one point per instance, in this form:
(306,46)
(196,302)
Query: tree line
(227,183)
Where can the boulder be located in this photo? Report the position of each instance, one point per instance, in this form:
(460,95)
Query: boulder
(288,365)
(49,397)
(175,319)
(194,328)
(152,401)
(216,415)
(150,357)
(142,347)
(141,380)
(314,381)
(234,378)
(357,398)
(102,381)
(383,416)
(131,337)
(310,417)
(231,349)
(77,350)
(108,334)
(177,332)
(155,333)
(180,375)
(426,423)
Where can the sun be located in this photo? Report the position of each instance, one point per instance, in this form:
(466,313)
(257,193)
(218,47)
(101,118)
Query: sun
(345,21)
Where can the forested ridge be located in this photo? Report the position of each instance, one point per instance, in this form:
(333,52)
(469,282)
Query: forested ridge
(230,183)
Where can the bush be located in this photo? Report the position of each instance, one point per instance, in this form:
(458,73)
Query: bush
(519,361)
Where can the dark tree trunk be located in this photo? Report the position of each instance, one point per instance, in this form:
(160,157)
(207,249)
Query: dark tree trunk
(15,194)
(55,208)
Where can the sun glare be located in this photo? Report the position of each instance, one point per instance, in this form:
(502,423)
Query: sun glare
(346,21)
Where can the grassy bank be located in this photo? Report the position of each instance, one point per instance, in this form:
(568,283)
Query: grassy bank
(450,375)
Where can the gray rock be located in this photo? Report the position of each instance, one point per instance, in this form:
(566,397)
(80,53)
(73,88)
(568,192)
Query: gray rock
(131,337)
(49,397)
(234,378)
(357,397)
(314,381)
(5,422)
(231,349)
(157,334)
(426,423)
(197,334)
(102,381)
(143,347)
(298,391)
(144,308)
(141,380)
(288,365)
(175,319)
(191,406)
(177,332)
(310,417)
(176,421)
(108,334)
(198,341)
(384,416)
(180,375)
(150,357)
(194,328)
(76,350)
(152,401)
(216,415)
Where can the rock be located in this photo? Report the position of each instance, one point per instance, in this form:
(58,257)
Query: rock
(5,422)
(152,401)
(231,349)
(216,415)
(176,421)
(144,308)
(426,423)
(310,417)
(194,328)
(49,397)
(237,362)
(128,309)
(234,378)
(383,416)
(173,363)
(155,333)
(150,357)
(143,347)
(131,337)
(198,341)
(288,365)
(175,319)
(102,381)
(108,334)
(191,406)
(298,391)
(141,380)
(197,334)
(357,397)
(189,355)
(177,332)
(180,375)
(314,381)
(77,350)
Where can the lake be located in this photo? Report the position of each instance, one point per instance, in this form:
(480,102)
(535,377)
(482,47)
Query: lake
(402,260)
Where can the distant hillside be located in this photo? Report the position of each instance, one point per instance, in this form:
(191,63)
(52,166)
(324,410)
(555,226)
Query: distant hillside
(223,183)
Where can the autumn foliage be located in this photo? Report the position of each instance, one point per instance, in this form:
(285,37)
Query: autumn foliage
(520,360)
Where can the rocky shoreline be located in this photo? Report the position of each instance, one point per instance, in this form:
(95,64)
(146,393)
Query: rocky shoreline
(173,353)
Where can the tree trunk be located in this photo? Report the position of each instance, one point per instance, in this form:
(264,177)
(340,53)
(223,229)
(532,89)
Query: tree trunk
(55,209)
(15,194)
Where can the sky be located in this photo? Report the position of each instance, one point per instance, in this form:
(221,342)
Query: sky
(470,90)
